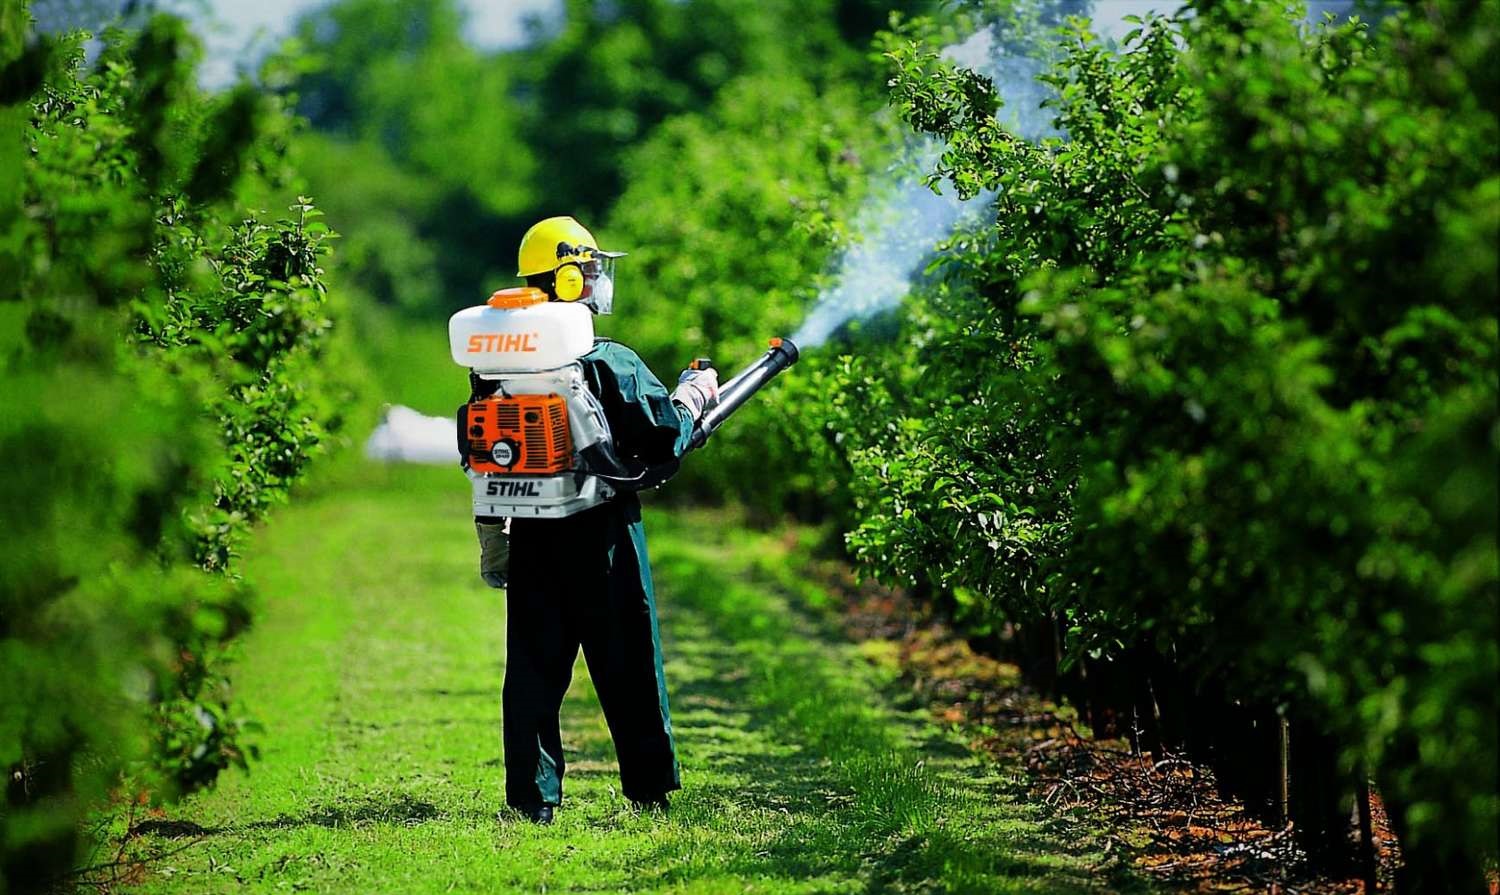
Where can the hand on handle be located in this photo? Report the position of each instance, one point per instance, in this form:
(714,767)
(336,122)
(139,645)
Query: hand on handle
(697,389)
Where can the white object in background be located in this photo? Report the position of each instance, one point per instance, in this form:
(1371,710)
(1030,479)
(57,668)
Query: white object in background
(406,436)
(542,336)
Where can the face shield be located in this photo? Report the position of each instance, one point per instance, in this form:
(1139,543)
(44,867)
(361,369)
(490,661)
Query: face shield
(599,281)
(583,274)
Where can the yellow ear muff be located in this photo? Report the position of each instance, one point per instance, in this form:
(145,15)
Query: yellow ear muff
(568,282)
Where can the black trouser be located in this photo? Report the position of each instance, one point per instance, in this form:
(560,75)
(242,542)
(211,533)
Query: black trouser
(583,582)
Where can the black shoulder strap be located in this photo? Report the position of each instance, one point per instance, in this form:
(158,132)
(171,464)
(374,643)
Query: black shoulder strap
(480,387)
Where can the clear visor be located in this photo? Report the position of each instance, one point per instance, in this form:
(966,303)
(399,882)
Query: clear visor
(596,266)
(599,284)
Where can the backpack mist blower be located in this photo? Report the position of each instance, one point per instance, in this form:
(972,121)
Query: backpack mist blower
(734,393)
(538,443)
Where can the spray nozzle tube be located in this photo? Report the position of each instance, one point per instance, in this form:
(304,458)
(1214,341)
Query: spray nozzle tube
(734,393)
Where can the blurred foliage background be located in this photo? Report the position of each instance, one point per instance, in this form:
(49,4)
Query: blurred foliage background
(168,374)
(1204,403)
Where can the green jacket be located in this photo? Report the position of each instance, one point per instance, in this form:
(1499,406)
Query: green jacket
(647,424)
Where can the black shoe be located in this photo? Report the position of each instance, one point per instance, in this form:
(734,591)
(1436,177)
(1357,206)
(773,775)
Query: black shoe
(653,805)
(542,814)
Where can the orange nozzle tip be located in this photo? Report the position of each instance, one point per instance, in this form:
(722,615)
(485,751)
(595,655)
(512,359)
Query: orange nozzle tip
(517,297)
(776,341)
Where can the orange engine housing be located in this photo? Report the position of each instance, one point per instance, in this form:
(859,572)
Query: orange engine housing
(519,435)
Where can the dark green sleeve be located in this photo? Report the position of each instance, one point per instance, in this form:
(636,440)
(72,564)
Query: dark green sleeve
(646,423)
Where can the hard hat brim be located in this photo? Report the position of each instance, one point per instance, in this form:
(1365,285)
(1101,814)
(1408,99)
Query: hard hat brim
(599,252)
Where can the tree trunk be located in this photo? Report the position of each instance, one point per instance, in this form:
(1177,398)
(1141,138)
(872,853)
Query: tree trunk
(1321,799)
(1368,853)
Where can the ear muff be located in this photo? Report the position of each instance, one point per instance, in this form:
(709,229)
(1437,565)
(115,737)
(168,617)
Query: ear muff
(567,282)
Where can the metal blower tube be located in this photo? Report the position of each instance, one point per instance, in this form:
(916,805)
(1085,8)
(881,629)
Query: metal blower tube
(734,393)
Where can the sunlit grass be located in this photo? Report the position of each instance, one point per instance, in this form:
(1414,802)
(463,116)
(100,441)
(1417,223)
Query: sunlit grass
(376,667)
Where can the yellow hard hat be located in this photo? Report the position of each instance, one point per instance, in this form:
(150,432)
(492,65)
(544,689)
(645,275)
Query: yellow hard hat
(551,241)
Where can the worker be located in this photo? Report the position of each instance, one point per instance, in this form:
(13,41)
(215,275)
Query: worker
(584,580)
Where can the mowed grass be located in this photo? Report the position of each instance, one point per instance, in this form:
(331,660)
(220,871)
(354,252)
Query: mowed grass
(376,666)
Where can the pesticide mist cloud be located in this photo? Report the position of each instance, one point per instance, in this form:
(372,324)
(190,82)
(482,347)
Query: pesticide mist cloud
(900,225)
(406,436)
(897,231)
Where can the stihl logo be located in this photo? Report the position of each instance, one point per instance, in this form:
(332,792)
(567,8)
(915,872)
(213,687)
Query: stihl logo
(513,489)
(501,342)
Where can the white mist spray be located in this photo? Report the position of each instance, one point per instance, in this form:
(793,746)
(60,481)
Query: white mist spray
(900,225)
(896,230)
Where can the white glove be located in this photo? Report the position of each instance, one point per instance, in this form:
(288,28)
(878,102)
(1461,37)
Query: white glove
(697,390)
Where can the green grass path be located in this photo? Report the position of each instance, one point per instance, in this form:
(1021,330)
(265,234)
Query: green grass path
(376,665)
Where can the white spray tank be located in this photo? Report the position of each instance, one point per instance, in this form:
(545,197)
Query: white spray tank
(519,330)
(523,437)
